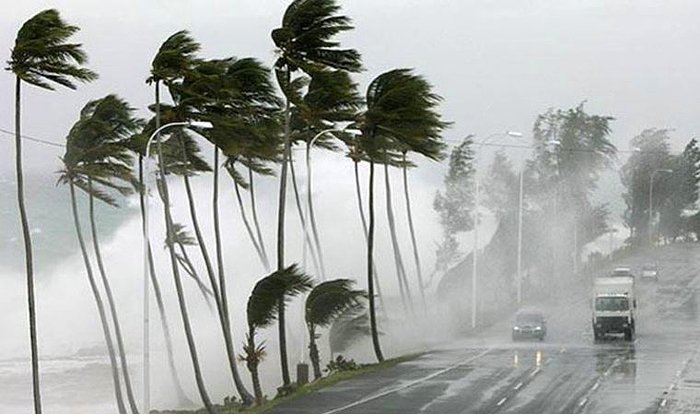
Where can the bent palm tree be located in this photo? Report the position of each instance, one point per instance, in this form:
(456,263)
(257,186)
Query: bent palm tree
(174,58)
(400,113)
(305,41)
(326,302)
(41,57)
(268,295)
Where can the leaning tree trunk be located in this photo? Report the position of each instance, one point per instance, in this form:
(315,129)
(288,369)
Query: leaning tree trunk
(111,303)
(307,239)
(358,192)
(370,267)
(284,363)
(176,272)
(246,397)
(249,229)
(254,212)
(159,300)
(100,305)
(416,257)
(314,354)
(312,216)
(252,362)
(28,256)
(398,260)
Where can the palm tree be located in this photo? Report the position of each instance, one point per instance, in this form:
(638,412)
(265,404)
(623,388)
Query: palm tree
(91,154)
(326,302)
(174,58)
(268,295)
(239,98)
(100,150)
(305,41)
(400,113)
(41,57)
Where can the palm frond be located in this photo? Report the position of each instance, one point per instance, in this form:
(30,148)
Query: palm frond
(42,57)
(330,299)
(264,301)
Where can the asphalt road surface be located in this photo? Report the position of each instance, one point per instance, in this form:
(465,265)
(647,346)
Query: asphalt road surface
(567,373)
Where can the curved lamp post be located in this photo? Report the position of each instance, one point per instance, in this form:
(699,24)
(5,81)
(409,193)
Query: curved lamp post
(146,248)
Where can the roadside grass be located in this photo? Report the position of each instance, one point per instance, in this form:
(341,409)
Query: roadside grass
(309,388)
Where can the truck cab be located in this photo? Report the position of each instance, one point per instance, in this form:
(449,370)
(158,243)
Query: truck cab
(614,307)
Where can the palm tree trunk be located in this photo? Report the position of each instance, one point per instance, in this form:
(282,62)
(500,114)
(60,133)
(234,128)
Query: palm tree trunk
(159,301)
(314,354)
(100,305)
(284,364)
(358,192)
(416,257)
(254,211)
(370,266)
(312,216)
(252,363)
(176,273)
(28,256)
(302,219)
(249,229)
(246,397)
(112,305)
(398,260)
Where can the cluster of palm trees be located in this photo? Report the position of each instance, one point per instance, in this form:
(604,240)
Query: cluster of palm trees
(252,133)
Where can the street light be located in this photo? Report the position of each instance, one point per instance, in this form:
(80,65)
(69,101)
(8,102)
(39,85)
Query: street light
(651,195)
(146,249)
(475,215)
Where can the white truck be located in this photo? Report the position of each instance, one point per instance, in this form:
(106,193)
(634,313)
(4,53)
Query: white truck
(614,307)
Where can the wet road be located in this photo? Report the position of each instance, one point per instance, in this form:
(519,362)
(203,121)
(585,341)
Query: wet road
(567,373)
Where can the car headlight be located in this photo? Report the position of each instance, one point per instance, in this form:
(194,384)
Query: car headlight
(539,328)
(516,328)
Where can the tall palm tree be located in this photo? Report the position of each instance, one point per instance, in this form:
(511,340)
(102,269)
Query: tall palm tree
(93,155)
(325,303)
(41,57)
(268,295)
(99,147)
(401,112)
(239,98)
(305,42)
(174,58)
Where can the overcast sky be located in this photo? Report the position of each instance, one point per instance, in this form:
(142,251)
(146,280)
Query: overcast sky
(497,63)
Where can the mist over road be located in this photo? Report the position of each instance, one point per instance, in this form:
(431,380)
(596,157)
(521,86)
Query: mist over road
(567,373)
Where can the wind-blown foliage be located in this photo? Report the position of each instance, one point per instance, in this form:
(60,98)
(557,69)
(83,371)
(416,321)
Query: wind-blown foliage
(268,295)
(325,303)
(43,57)
(305,41)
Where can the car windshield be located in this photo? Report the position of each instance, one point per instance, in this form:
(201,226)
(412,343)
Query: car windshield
(611,304)
(529,319)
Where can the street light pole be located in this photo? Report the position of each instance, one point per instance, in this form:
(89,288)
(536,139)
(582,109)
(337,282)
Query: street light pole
(475,215)
(146,249)
(651,199)
(519,282)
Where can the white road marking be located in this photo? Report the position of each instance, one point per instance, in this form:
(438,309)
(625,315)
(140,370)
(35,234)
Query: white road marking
(517,387)
(595,386)
(583,402)
(535,372)
(500,403)
(663,403)
(408,384)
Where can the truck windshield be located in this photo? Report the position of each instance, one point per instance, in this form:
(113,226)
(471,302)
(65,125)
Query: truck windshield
(611,304)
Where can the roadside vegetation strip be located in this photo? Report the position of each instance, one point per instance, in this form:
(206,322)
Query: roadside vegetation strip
(408,384)
(307,389)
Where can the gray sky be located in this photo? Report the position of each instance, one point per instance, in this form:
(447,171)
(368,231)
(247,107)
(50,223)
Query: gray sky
(497,63)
